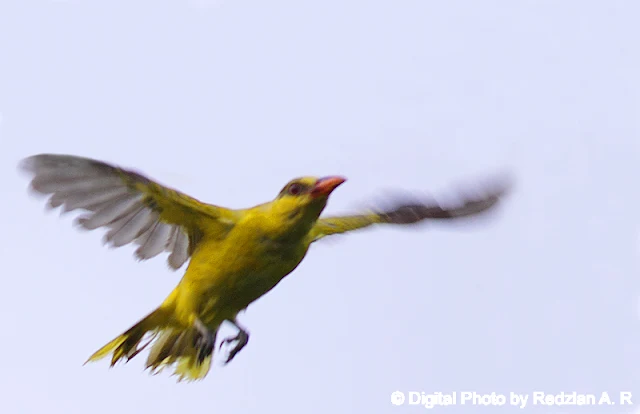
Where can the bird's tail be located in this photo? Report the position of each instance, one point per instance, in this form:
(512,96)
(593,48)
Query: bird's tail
(185,349)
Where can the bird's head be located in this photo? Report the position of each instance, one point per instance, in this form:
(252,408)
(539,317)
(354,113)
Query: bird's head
(302,200)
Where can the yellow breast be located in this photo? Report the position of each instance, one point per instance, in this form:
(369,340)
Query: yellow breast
(226,275)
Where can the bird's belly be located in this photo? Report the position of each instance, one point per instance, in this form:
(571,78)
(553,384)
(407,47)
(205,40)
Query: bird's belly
(229,281)
(255,281)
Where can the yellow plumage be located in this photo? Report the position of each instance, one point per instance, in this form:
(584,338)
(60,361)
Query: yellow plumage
(235,256)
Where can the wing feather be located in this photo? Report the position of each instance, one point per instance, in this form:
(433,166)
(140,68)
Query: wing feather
(405,213)
(132,207)
(87,200)
(179,249)
(128,228)
(155,242)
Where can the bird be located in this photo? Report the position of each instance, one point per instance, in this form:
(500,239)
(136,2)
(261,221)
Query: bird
(235,256)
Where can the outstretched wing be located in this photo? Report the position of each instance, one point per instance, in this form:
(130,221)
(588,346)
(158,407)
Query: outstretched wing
(133,207)
(415,212)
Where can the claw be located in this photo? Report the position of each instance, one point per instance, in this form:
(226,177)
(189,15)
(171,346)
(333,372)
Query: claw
(205,342)
(227,341)
(242,339)
(205,347)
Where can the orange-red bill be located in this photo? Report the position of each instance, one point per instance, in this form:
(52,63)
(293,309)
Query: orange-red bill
(325,185)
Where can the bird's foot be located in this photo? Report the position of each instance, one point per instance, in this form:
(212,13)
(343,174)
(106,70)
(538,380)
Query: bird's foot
(241,339)
(204,342)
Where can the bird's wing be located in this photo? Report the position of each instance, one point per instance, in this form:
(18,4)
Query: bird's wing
(133,207)
(414,212)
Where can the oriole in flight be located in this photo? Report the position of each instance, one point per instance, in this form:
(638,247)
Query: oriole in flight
(235,255)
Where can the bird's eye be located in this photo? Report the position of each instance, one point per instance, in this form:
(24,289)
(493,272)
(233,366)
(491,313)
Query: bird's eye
(295,189)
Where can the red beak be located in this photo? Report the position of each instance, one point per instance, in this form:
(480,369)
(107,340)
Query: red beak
(325,185)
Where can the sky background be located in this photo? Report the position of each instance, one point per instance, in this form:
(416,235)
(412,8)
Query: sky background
(228,100)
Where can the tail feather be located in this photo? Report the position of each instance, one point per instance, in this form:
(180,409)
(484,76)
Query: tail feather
(182,349)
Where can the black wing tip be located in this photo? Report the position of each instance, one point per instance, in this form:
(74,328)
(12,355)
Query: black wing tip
(472,201)
(502,184)
(33,163)
(54,160)
(488,194)
(30,164)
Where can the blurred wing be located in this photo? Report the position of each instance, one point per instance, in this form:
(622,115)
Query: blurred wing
(133,207)
(411,213)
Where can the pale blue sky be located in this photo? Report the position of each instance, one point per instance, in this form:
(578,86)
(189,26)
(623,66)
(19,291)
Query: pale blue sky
(227,100)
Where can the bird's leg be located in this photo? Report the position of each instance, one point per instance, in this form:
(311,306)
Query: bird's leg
(242,339)
(205,341)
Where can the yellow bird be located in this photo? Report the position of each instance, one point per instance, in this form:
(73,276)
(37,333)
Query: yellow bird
(236,255)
